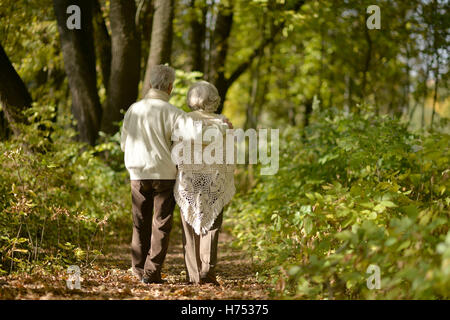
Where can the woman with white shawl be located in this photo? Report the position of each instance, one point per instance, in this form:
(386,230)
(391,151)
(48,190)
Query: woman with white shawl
(203,188)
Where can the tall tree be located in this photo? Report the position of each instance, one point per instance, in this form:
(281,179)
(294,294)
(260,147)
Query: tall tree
(219,48)
(14,95)
(256,90)
(222,31)
(161,38)
(102,43)
(125,64)
(79,62)
(198,12)
(367,60)
(144,22)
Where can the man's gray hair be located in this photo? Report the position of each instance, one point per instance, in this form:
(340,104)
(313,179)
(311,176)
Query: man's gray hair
(161,77)
(203,95)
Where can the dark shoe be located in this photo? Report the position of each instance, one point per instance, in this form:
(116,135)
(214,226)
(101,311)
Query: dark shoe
(147,280)
(152,278)
(209,279)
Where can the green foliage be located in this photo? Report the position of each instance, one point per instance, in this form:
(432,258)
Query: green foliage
(59,199)
(325,50)
(181,86)
(29,35)
(355,190)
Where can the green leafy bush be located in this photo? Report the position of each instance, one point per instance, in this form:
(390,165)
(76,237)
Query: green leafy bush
(353,191)
(59,199)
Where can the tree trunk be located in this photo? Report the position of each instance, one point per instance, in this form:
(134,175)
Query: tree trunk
(437,61)
(221,34)
(198,35)
(125,64)
(425,93)
(307,113)
(404,107)
(436,86)
(350,93)
(161,41)
(102,43)
(4,129)
(14,95)
(250,120)
(222,31)
(79,61)
(367,61)
(144,25)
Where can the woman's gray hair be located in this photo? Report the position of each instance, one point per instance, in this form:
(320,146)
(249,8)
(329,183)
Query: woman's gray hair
(203,95)
(161,77)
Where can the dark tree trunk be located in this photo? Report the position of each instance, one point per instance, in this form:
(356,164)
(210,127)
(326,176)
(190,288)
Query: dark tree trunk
(250,120)
(125,64)
(403,107)
(102,43)
(144,23)
(435,95)
(198,35)
(221,34)
(437,61)
(307,113)
(350,93)
(4,128)
(14,95)
(367,61)
(77,47)
(161,42)
(257,95)
(425,92)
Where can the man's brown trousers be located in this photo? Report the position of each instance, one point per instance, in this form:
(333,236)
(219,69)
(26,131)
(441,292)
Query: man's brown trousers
(153,205)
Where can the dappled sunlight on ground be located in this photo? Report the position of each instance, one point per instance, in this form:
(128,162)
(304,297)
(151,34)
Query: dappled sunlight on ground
(109,278)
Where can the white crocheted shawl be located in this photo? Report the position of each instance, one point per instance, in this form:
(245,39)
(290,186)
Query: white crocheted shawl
(202,190)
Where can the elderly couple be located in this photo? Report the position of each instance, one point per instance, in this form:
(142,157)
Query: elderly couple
(157,182)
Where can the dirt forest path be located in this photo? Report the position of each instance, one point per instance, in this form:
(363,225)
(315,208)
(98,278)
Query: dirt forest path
(109,278)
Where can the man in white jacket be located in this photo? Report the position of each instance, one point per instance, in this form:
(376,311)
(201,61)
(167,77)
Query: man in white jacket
(146,136)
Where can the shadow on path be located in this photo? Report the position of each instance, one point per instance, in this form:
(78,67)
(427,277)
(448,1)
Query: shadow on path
(109,278)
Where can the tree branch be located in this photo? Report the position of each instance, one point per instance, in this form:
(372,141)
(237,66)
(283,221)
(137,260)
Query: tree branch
(244,65)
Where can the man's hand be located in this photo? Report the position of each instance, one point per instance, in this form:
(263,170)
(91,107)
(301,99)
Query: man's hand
(228,122)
